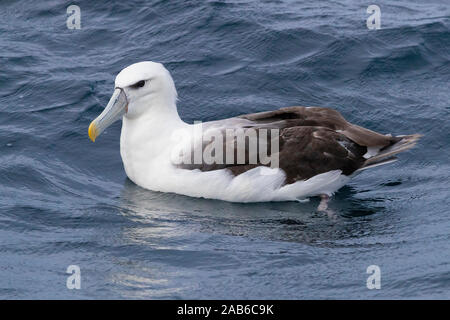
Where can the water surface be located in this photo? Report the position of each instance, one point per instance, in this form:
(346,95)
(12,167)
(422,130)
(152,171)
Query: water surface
(66,201)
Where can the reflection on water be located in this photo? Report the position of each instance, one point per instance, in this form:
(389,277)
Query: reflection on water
(163,215)
(174,245)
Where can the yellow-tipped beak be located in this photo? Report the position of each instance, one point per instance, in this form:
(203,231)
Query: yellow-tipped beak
(92,131)
(115,110)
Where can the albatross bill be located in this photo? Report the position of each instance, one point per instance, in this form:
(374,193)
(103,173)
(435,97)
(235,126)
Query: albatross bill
(115,109)
(318,150)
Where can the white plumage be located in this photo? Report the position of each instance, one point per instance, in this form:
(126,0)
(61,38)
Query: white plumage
(149,137)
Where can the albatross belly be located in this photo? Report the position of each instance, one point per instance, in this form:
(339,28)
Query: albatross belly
(251,186)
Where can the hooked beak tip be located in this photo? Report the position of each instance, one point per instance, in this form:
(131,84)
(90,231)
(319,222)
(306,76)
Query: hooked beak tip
(92,131)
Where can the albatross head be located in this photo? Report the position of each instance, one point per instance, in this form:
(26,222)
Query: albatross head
(139,88)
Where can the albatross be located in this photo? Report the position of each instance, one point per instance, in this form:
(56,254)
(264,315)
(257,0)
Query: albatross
(317,150)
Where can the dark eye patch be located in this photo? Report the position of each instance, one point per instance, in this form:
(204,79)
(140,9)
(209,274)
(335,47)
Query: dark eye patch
(139,84)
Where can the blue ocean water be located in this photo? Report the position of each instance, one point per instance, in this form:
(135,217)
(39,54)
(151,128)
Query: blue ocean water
(66,201)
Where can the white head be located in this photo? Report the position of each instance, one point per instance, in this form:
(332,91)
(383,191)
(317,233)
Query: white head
(146,84)
(139,88)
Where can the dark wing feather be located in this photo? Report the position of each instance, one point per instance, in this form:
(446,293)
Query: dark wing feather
(323,117)
(311,141)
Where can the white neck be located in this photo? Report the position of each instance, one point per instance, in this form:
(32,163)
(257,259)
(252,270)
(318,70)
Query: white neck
(147,138)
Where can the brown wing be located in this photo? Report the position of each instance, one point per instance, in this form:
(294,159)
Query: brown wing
(323,117)
(306,151)
(311,141)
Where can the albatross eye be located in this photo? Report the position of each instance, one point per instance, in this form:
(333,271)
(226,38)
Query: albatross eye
(139,84)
